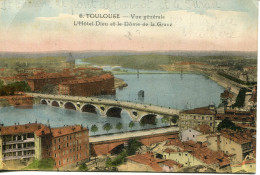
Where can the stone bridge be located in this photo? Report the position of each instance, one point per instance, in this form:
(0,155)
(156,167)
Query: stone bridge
(114,143)
(105,107)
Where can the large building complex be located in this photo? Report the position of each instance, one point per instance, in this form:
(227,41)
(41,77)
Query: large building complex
(193,118)
(66,145)
(81,81)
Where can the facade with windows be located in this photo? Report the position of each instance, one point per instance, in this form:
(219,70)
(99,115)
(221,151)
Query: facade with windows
(70,145)
(20,143)
(199,116)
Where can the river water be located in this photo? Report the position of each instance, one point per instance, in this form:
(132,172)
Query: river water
(168,90)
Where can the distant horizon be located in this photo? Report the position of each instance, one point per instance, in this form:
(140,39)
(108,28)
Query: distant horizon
(65,51)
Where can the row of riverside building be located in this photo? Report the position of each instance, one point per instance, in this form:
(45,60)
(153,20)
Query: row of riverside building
(67,146)
(74,81)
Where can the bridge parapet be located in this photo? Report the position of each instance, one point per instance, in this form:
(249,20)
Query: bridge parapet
(135,110)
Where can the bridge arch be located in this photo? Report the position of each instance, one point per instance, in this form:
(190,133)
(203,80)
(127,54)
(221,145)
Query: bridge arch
(117,149)
(114,112)
(70,105)
(44,102)
(55,103)
(90,108)
(148,119)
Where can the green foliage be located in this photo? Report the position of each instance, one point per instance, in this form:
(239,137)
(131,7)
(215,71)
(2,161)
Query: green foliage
(226,123)
(1,83)
(94,128)
(131,124)
(118,160)
(240,100)
(18,86)
(165,120)
(119,126)
(83,167)
(133,145)
(141,123)
(43,164)
(236,79)
(175,118)
(107,127)
(154,61)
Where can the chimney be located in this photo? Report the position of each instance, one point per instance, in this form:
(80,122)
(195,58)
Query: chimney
(218,142)
(199,144)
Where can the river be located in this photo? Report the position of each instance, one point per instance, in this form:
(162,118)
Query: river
(168,90)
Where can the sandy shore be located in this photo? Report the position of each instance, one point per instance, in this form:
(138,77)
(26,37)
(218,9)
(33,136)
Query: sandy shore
(119,83)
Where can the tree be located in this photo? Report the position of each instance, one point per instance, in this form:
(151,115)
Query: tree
(142,123)
(83,167)
(119,126)
(226,123)
(165,120)
(131,124)
(107,127)
(94,128)
(43,164)
(175,118)
(133,145)
(1,83)
(240,100)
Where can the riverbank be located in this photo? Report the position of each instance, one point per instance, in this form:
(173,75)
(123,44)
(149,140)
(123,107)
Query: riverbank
(226,83)
(119,83)
(16,101)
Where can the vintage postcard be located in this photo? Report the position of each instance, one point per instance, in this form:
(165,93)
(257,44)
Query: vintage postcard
(128,86)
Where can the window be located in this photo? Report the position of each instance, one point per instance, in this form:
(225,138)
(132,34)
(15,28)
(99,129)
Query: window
(59,162)
(194,117)
(67,144)
(55,155)
(59,147)
(210,118)
(193,136)
(59,139)
(202,118)
(54,141)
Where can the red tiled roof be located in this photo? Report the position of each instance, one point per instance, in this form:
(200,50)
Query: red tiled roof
(20,129)
(245,162)
(205,129)
(147,159)
(239,138)
(171,163)
(226,94)
(57,132)
(202,110)
(44,130)
(89,79)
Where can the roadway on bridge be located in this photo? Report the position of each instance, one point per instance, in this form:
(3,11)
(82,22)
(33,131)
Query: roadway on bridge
(94,139)
(93,100)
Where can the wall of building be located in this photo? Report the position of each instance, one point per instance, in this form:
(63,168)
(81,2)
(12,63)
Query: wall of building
(184,158)
(249,168)
(195,120)
(104,148)
(70,149)
(189,134)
